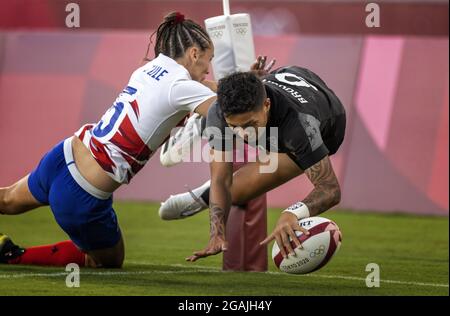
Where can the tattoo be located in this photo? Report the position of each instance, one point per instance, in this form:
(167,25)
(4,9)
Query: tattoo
(326,193)
(217,220)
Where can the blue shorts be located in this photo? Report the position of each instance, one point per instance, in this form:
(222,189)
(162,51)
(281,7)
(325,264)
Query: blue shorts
(90,222)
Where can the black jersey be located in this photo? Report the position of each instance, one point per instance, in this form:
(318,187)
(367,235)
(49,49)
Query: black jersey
(309,116)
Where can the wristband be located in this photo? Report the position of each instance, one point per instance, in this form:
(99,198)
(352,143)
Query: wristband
(299,209)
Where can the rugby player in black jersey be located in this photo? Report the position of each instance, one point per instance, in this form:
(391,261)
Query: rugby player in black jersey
(310,126)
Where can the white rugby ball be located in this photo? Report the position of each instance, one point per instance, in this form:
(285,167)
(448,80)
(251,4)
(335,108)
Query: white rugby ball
(318,247)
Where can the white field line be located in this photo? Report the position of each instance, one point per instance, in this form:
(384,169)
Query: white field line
(190,269)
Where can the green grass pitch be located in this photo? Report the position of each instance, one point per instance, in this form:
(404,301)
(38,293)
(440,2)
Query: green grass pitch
(412,252)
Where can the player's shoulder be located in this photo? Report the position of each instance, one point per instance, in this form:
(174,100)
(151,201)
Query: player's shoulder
(163,69)
(215,117)
(214,110)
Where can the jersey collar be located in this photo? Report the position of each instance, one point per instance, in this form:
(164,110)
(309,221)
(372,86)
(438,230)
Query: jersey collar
(174,63)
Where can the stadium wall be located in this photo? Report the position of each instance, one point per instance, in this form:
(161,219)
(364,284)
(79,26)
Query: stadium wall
(394,87)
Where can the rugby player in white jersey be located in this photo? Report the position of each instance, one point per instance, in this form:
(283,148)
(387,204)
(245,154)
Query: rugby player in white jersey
(78,176)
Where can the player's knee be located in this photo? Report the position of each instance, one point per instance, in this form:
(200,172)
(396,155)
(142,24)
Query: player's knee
(110,259)
(7,202)
(113,263)
(109,262)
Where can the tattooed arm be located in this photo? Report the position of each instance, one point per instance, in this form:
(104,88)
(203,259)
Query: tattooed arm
(326,192)
(219,207)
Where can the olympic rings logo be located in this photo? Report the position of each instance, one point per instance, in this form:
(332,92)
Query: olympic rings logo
(219,33)
(216,34)
(317,252)
(241,31)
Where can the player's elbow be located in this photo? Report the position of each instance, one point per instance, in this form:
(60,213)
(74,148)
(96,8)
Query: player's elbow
(336,195)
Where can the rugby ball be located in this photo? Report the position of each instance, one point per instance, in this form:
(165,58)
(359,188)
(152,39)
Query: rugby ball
(319,247)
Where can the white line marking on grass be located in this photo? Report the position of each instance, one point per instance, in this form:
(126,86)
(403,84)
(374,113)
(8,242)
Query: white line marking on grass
(31,275)
(381,280)
(343,277)
(203,269)
(101,273)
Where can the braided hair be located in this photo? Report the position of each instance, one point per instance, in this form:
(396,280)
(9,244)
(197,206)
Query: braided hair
(176,34)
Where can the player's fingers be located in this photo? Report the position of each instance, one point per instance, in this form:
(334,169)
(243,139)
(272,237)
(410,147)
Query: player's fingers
(258,62)
(294,237)
(263,62)
(267,240)
(192,258)
(270,65)
(301,229)
(286,242)
(200,253)
(280,245)
(188,258)
(255,64)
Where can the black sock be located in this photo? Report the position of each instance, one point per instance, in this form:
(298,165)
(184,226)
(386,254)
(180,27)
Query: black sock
(205,196)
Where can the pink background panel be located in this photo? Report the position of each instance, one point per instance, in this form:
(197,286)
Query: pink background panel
(36,112)
(418,108)
(394,158)
(380,67)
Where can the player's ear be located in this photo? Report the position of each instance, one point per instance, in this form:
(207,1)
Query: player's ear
(266,105)
(194,53)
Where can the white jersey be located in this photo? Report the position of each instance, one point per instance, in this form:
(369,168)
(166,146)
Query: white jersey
(159,95)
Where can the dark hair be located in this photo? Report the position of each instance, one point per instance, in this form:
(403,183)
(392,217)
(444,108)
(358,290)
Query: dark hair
(240,92)
(176,34)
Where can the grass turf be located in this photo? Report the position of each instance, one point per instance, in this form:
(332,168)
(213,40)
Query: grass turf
(412,250)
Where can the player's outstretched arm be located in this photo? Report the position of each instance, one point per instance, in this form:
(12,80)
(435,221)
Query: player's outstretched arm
(219,206)
(210,84)
(326,192)
(259,67)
